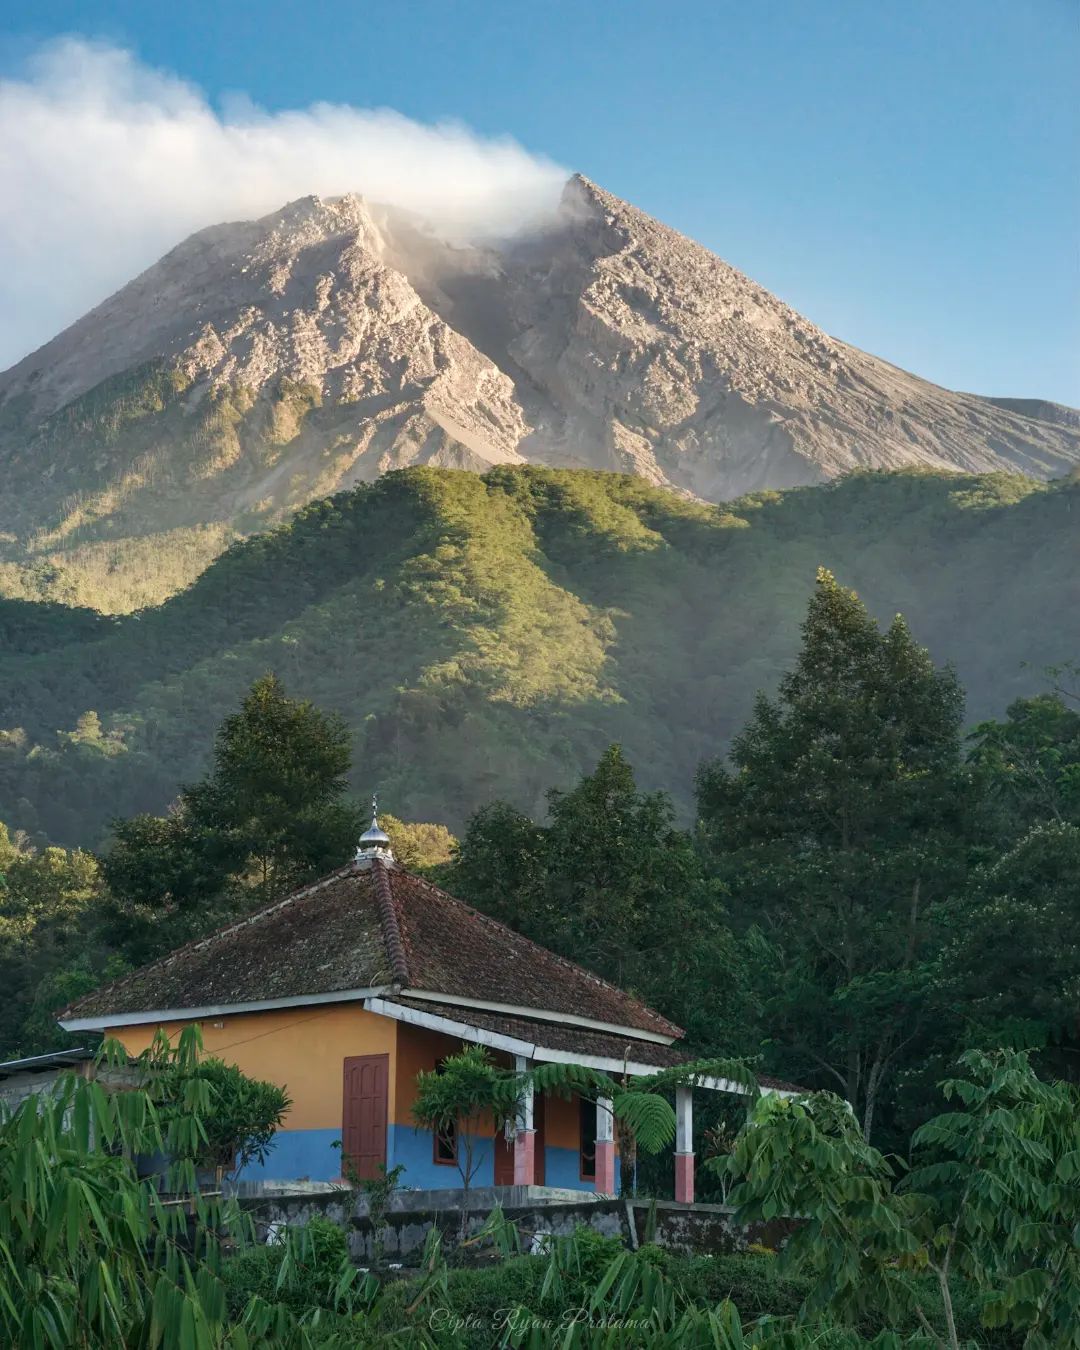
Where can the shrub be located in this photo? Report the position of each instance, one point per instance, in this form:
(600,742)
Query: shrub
(751,1282)
(318,1255)
(594,1252)
(480,1293)
(479,1298)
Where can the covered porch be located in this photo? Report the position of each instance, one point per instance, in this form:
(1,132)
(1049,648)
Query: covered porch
(554,1142)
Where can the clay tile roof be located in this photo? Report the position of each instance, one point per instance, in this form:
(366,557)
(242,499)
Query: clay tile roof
(453,949)
(368,925)
(554,1036)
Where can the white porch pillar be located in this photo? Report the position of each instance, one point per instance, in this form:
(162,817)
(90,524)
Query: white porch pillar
(605,1147)
(684,1144)
(525,1134)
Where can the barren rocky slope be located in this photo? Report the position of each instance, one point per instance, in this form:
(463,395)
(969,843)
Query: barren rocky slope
(261,365)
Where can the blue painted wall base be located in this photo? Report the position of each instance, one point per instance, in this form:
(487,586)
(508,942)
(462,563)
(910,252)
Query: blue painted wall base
(309,1155)
(298,1155)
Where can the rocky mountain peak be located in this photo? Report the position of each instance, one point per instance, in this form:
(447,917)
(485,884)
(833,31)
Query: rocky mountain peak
(262,363)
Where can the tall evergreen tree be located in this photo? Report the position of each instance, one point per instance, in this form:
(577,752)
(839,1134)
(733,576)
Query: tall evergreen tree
(276,797)
(613,884)
(839,826)
(272,812)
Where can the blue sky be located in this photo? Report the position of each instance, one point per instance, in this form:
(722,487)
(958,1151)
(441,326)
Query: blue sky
(905,174)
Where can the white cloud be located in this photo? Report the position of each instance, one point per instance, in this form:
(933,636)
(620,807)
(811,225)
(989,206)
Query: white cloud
(105,164)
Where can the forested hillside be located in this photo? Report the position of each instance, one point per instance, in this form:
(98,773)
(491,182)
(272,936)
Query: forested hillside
(489,636)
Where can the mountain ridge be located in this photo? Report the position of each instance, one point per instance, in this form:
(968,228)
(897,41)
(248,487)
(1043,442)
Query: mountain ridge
(489,635)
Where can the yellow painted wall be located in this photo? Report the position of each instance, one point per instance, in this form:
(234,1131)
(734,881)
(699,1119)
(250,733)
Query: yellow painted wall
(561,1123)
(300,1049)
(420,1049)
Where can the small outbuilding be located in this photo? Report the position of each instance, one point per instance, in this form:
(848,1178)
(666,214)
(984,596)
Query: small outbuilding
(22,1078)
(36,1074)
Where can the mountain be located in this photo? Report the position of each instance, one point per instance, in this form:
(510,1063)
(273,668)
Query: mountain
(489,635)
(262,365)
(1042,409)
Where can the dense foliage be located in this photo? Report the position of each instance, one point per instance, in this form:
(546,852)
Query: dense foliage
(99,1255)
(271,814)
(992,1195)
(869,893)
(607,875)
(273,809)
(51,945)
(488,637)
(840,828)
(243,1116)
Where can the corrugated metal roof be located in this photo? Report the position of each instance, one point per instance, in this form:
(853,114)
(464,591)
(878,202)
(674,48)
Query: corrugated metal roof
(58,1059)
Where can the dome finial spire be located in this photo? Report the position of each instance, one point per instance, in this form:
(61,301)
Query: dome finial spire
(375,842)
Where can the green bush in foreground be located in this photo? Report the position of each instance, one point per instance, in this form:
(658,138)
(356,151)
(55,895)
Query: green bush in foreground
(992,1199)
(478,1307)
(93,1255)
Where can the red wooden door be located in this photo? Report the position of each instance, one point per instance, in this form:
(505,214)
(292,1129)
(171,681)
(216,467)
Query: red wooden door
(363,1123)
(504,1159)
(504,1150)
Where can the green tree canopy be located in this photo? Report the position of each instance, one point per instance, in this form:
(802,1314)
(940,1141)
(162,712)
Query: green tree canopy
(1031,762)
(418,845)
(613,884)
(273,812)
(276,797)
(839,826)
(48,942)
(1014,963)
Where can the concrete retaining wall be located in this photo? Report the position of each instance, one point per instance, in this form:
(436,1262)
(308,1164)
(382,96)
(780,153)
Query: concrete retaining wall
(686,1229)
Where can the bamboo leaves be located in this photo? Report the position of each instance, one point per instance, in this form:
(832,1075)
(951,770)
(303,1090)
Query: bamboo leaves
(91,1254)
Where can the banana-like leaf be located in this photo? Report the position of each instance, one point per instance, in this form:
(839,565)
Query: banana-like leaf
(649,1116)
(737,1072)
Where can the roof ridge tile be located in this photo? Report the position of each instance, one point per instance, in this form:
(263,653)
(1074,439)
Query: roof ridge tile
(389,920)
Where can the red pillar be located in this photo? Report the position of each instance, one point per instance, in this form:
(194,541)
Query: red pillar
(684,1178)
(525,1158)
(525,1133)
(684,1145)
(605,1148)
(605,1167)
